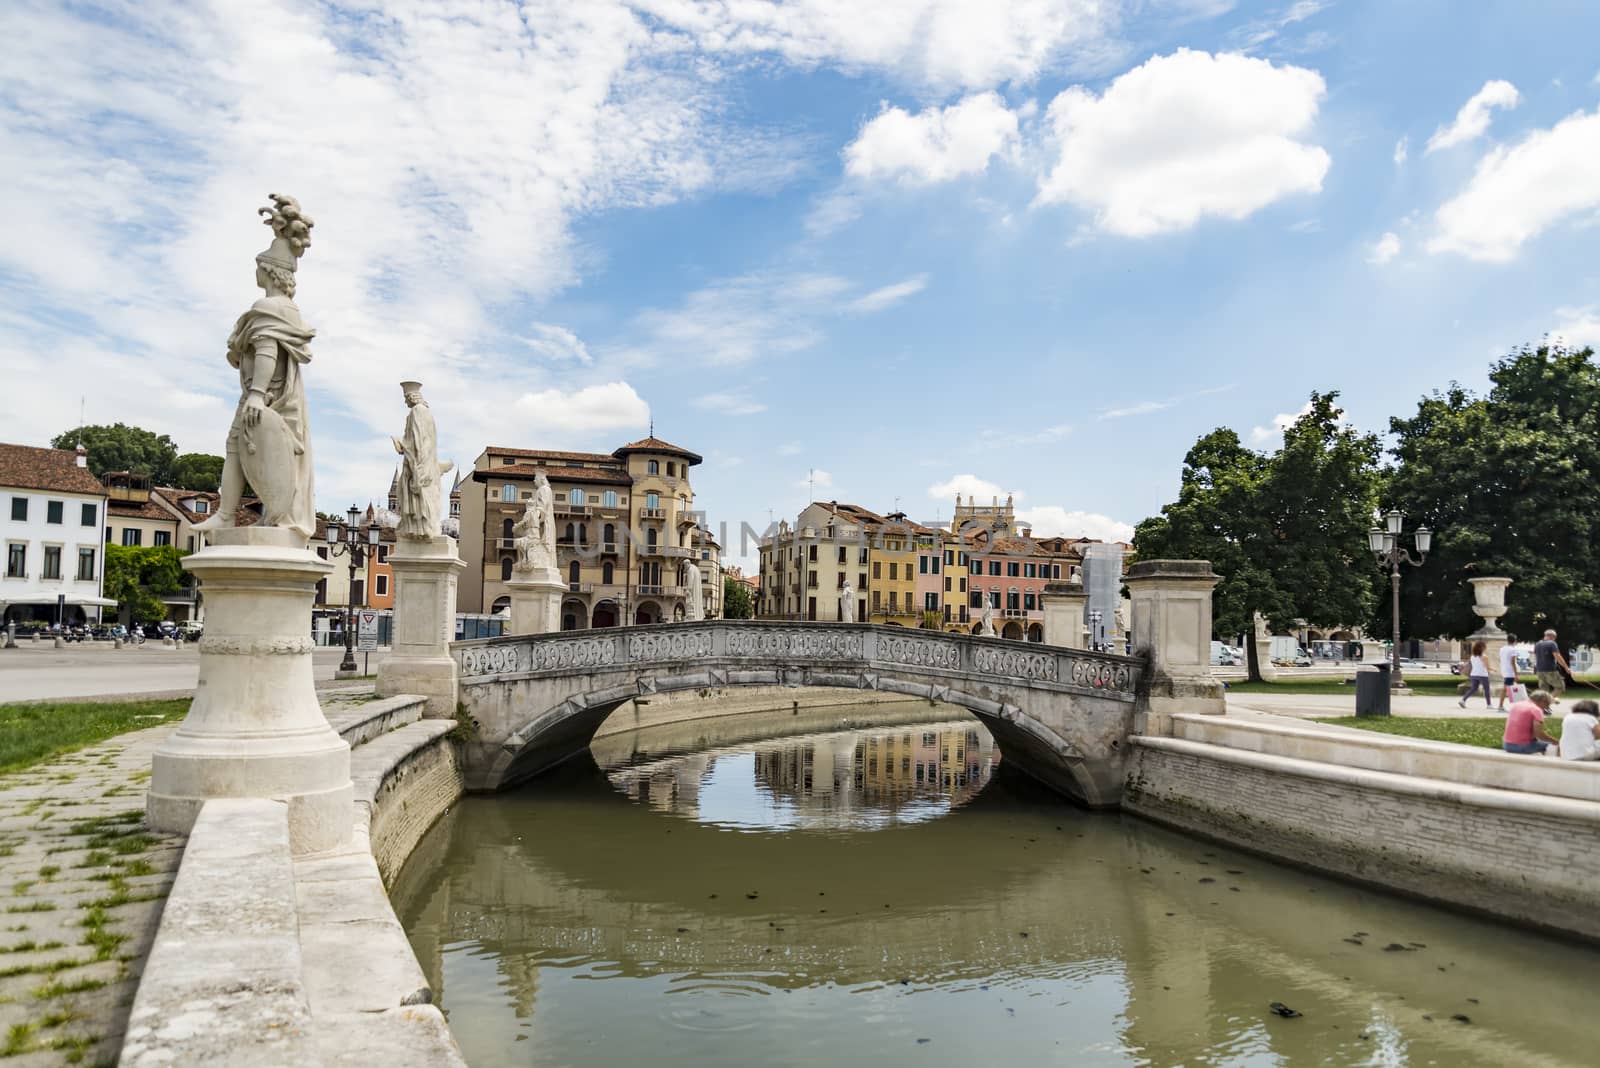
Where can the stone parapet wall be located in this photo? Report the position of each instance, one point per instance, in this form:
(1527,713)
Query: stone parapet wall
(419,781)
(1526,859)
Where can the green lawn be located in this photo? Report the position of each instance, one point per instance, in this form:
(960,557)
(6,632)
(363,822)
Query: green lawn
(1442,685)
(1485,731)
(33,733)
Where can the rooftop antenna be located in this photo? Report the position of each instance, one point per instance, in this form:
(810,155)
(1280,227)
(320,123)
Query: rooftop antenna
(652,426)
(80,419)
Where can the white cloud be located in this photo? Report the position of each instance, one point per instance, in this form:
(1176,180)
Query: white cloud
(556,343)
(1473,118)
(989,438)
(1402,148)
(737,320)
(1578,327)
(1267,435)
(611,406)
(1142,408)
(935,145)
(881,298)
(729,404)
(1053,521)
(1521,190)
(969,486)
(940,44)
(1183,137)
(815,479)
(1384,249)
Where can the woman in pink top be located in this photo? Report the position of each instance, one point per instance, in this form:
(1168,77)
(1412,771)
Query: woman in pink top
(1525,731)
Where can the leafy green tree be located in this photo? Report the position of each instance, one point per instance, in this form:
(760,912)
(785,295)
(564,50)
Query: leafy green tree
(139,576)
(197,471)
(120,447)
(1286,532)
(736,601)
(1510,485)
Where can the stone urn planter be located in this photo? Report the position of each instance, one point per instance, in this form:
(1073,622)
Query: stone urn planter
(1489,604)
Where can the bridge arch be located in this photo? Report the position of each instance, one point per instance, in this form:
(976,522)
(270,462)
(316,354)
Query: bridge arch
(1063,715)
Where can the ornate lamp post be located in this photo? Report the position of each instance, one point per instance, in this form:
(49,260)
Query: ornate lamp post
(1385,544)
(349,541)
(1095,636)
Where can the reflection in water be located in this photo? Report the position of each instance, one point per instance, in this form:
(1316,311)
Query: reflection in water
(568,924)
(842,780)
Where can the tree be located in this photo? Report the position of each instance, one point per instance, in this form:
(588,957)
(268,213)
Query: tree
(197,471)
(120,447)
(1510,485)
(138,577)
(1286,532)
(736,601)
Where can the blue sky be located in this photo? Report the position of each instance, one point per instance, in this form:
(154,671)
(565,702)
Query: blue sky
(917,246)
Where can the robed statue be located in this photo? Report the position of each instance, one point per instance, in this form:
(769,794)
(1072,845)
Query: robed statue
(417,491)
(847,603)
(693,599)
(986,621)
(535,531)
(269,442)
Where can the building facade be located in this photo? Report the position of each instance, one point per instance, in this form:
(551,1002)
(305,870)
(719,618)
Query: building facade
(52,515)
(627,532)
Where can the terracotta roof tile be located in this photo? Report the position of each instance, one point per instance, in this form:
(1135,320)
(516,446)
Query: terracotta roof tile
(560,474)
(139,510)
(655,444)
(552,454)
(27,467)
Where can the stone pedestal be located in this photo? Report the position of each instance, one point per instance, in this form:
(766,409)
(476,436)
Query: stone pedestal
(255,728)
(536,601)
(1063,614)
(425,572)
(1263,639)
(1489,604)
(1172,627)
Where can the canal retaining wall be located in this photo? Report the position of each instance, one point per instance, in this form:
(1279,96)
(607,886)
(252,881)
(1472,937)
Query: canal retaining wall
(719,702)
(1526,858)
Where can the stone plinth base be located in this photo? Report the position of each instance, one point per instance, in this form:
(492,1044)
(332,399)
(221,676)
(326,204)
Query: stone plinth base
(255,728)
(536,601)
(425,573)
(1172,628)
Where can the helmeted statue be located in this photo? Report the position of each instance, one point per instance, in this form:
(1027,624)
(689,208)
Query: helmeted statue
(535,532)
(693,601)
(269,442)
(417,490)
(986,621)
(847,603)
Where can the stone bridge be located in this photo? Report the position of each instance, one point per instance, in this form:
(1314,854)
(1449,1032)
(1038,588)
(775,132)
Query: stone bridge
(1063,715)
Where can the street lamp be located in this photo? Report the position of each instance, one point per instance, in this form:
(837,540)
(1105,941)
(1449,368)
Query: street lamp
(354,543)
(1385,544)
(1095,637)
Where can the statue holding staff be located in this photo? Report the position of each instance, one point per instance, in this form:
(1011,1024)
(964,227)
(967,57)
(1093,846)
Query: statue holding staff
(418,490)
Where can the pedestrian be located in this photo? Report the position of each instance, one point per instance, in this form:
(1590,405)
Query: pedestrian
(1525,731)
(1548,664)
(1508,671)
(1579,732)
(1477,675)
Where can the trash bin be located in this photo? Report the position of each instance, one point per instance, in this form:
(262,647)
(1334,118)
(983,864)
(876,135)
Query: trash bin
(1372,691)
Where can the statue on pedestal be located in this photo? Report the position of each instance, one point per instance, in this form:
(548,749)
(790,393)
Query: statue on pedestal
(694,607)
(418,489)
(847,603)
(269,442)
(986,621)
(535,532)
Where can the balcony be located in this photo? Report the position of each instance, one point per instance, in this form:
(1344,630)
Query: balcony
(563,508)
(580,587)
(677,552)
(1015,613)
(651,591)
(652,513)
(505,543)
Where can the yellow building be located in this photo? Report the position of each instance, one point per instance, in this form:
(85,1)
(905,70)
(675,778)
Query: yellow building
(893,560)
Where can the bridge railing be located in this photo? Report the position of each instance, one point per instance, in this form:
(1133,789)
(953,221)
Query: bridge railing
(768,643)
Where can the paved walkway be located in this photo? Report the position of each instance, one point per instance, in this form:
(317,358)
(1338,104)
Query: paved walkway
(87,670)
(82,889)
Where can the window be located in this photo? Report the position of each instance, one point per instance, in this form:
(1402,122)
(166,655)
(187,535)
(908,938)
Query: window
(994,568)
(200,506)
(894,570)
(1030,570)
(505,528)
(961,560)
(88,516)
(508,493)
(1057,569)
(650,537)
(949,557)
(19,509)
(16,560)
(652,500)
(358,592)
(607,572)
(976,600)
(1013,569)
(994,598)
(672,469)
(894,602)
(577,495)
(383,554)
(962,585)
(1012,601)
(191,543)
(811,554)
(651,467)
(862,557)
(572,572)
(861,581)
(1028,601)
(380,586)
(935,565)
(811,579)
(877,569)
(877,599)
(53,511)
(132,535)
(455,507)
(922,564)
(843,557)
(505,569)
(583,533)
(930,602)
(609,498)
(85,565)
(108,535)
(507,461)
(947,584)
(52,561)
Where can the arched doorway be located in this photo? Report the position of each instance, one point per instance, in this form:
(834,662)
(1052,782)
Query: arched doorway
(605,615)
(502,605)
(1036,632)
(1013,630)
(977,628)
(574,615)
(647,612)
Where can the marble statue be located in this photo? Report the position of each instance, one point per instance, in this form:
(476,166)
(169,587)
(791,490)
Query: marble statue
(847,603)
(986,621)
(694,607)
(418,489)
(269,442)
(535,532)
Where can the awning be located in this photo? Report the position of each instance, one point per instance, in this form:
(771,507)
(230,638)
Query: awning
(84,600)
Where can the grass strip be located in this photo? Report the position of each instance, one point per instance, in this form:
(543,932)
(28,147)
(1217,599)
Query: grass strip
(31,734)
(1486,732)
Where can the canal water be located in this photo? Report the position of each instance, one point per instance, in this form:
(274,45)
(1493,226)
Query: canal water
(900,896)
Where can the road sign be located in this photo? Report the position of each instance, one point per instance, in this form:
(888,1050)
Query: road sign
(367,635)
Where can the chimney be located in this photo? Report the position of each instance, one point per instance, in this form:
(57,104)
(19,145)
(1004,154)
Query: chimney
(83,455)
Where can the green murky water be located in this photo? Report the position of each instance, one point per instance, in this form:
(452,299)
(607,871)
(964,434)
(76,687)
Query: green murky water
(898,896)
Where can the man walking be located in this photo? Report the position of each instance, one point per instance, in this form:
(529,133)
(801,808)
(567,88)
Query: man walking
(1548,664)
